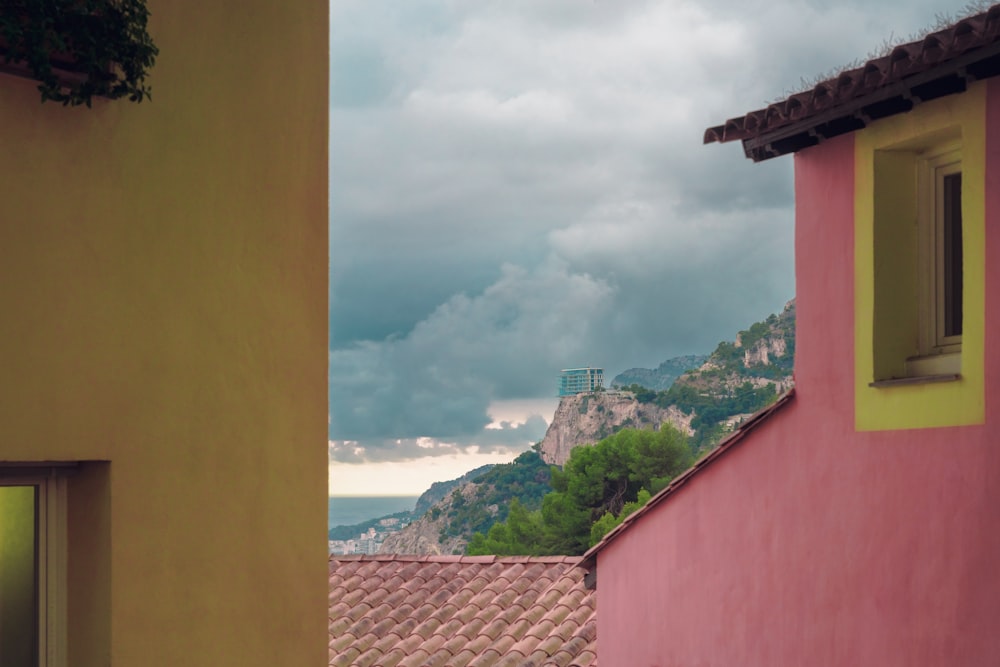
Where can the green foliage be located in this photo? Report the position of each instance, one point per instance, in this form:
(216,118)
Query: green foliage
(599,480)
(642,394)
(753,335)
(518,535)
(708,437)
(709,395)
(103,41)
(609,521)
(526,479)
(728,356)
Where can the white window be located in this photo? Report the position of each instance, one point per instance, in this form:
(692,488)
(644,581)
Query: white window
(939,224)
(32,568)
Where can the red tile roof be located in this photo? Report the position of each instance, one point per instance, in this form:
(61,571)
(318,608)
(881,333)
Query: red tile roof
(942,63)
(589,559)
(475,611)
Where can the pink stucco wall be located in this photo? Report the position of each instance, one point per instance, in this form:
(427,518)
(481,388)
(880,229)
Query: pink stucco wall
(810,543)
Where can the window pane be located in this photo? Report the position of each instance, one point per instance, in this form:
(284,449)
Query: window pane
(952,255)
(18,576)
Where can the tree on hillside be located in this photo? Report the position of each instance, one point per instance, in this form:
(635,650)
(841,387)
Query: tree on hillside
(606,523)
(596,481)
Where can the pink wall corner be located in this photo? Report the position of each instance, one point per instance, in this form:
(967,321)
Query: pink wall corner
(824,276)
(809,543)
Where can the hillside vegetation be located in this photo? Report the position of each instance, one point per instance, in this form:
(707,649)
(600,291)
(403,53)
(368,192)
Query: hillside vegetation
(736,380)
(596,489)
(525,481)
(474,505)
(661,377)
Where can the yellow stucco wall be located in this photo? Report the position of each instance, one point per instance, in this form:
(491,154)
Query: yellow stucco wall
(962,402)
(163,272)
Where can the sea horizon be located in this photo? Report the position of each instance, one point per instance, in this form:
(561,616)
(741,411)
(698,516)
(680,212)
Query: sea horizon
(352,510)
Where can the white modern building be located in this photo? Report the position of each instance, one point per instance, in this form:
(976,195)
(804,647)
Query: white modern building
(574,381)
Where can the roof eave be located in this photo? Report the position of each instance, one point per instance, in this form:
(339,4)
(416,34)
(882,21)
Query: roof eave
(947,78)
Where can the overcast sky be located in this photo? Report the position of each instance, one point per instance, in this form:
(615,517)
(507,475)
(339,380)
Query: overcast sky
(519,186)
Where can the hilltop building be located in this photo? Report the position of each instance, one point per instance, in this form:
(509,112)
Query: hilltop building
(575,381)
(855,521)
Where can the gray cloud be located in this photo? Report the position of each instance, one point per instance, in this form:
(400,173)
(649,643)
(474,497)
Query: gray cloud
(438,380)
(507,439)
(520,186)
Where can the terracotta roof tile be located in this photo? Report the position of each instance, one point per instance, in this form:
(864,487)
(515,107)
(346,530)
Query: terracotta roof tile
(455,645)
(550,646)
(511,660)
(941,63)
(433,643)
(472,629)
(342,642)
(418,657)
(404,612)
(362,626)
(425,611)
(490,656)
(449,628)
(339,626)
(345,658)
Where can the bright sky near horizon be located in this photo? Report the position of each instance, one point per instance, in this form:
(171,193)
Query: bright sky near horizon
(519,186)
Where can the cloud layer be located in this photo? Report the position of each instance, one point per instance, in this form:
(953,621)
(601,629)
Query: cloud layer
(520,186)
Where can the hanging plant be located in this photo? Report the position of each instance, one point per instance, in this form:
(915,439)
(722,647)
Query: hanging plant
(79,49)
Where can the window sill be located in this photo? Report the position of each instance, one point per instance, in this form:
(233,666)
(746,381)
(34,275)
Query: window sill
(946,363)
(918,379)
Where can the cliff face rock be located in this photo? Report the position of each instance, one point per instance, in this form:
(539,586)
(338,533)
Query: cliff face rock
(426,535)
(764,350)
(585,419)
(439,490)
(762,355)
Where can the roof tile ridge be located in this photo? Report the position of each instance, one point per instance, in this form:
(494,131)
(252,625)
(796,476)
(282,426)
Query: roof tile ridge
(477,559)
(345,557)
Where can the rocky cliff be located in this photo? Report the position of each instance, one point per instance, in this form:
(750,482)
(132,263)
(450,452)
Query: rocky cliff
(428,534)
(439,490)
(474,506)
(707,402)
(587,418)
(762,355)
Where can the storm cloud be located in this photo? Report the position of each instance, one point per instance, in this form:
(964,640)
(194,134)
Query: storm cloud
(520,186)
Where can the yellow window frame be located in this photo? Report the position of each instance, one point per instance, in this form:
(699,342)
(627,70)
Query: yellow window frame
(887,269)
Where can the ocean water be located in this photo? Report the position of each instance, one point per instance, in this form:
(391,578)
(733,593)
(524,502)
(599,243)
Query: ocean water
(351,510)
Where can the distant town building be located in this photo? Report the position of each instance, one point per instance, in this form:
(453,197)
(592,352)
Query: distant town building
(366,546)
(574,381)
